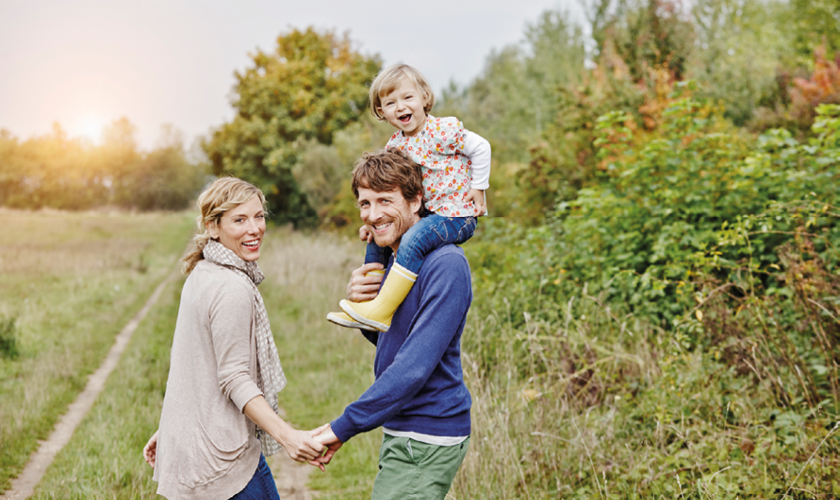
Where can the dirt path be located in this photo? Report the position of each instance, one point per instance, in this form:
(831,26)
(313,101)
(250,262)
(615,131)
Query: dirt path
(290,477)
(24,484)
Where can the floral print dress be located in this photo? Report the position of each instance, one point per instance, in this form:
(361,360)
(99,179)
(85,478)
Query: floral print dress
(447,172)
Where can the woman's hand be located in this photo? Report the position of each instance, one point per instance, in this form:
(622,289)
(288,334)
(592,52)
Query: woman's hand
(363,287)
(302,447)
(150,450)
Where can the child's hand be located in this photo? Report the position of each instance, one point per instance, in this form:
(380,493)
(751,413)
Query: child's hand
(477,197)
(365,235)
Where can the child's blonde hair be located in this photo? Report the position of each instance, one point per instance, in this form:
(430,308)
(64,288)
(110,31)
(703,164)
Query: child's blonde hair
(389,79)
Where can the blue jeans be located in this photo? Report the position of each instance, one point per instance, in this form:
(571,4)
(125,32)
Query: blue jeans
(262,485)
(433,231)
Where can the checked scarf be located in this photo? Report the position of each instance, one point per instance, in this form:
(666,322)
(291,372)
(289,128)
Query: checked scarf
(271,379)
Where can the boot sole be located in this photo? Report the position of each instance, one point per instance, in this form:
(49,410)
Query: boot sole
(369,323)
(334,318)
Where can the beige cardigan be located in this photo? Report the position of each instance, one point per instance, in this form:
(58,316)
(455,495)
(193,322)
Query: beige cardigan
(207,448)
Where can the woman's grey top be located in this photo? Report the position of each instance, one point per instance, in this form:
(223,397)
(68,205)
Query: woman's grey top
(207,448)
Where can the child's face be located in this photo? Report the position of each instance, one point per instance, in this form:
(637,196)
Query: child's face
(403,108)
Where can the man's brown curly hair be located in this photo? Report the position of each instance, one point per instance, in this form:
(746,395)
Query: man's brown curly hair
(387,170)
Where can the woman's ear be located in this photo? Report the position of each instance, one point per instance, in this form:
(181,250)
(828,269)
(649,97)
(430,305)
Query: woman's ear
(212,230)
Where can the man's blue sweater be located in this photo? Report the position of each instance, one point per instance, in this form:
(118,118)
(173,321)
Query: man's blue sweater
(419,383)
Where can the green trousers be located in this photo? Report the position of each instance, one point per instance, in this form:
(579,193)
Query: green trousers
(411,470)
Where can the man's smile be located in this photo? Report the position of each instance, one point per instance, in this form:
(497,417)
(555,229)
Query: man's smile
(382,226)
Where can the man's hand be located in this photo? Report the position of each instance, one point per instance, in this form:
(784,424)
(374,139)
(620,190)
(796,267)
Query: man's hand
(363,286)
(326,437)
(365,234)
(477,197)
(150,450)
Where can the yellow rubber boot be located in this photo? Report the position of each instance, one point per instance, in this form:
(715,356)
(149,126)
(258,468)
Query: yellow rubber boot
(378,312)
(344,319)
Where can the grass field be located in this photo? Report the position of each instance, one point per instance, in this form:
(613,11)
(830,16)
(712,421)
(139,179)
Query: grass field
(68,284)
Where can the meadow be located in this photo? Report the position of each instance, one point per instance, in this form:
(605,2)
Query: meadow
(68,284)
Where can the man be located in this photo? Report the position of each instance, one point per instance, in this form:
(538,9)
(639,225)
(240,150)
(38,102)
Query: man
(419,396)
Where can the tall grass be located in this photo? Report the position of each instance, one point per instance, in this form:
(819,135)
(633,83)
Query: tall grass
(71,281)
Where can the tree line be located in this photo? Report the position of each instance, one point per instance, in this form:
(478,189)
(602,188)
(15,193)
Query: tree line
(56,171)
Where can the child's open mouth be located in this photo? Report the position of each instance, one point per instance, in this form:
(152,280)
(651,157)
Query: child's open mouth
(405,118)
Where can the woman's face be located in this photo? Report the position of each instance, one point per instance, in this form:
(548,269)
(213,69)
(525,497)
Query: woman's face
(241,229)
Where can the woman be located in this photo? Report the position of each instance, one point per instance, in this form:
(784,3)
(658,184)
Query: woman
(220,407)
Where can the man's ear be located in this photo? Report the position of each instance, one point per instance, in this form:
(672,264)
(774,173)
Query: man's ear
(416,203)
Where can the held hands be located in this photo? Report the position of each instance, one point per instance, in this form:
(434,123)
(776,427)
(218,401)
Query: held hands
(302,447)
(327,437)
(477,197)
(322,438)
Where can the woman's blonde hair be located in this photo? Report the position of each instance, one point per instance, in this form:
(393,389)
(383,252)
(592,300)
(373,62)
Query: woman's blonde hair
(389,79)
(219,197)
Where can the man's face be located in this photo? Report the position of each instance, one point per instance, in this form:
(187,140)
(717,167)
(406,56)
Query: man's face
(388,215)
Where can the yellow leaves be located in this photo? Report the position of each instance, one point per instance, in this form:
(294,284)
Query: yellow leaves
(699,314)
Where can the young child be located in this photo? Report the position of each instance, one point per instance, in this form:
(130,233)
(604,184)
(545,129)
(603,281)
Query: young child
(456,172)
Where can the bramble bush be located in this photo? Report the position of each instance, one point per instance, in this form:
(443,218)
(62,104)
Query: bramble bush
(675,329)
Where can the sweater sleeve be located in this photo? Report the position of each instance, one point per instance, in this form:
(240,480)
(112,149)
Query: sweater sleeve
(231,317)
(445,298)
(479,152)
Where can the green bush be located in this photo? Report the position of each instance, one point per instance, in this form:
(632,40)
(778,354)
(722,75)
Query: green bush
(8,338)
(664,202)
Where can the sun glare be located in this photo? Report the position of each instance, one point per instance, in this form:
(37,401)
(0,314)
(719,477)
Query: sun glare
(90,126)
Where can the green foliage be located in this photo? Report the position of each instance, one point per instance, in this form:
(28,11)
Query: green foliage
(741,47)
(645,34)
(815,23)
(162,180)
(311,86)
(665,200)
(8,338)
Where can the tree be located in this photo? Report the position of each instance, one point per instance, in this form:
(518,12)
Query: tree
(816,23)
(311,86)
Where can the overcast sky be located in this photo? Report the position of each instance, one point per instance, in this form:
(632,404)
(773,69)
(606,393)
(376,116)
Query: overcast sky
(84,63)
